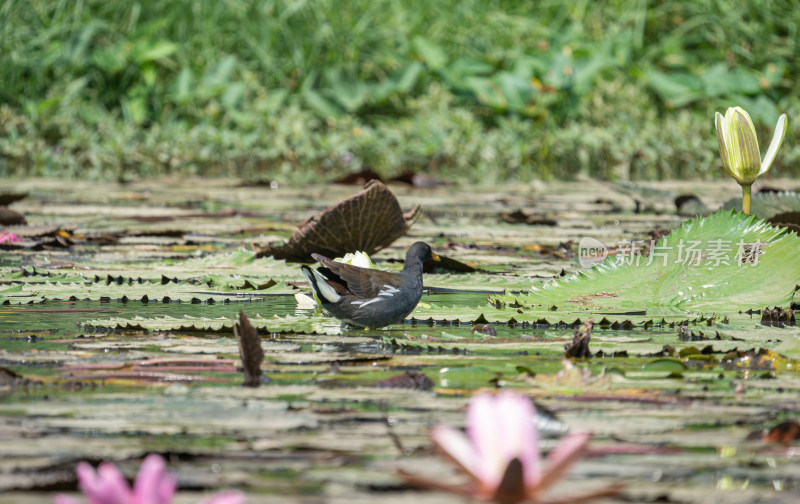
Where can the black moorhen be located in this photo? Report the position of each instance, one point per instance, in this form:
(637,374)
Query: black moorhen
(367,297)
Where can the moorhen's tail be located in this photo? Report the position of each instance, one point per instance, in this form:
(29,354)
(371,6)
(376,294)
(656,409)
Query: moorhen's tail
(321,287)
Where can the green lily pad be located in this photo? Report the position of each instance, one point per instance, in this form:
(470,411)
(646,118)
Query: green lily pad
(767,204)
(665,365)
(189,324)
(722,263)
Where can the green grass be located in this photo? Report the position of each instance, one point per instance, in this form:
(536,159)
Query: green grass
(478,90)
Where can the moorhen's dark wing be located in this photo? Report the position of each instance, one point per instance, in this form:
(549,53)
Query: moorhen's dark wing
(361,282)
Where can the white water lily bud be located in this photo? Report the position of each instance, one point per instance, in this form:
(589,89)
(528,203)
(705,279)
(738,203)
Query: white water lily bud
(738,145)
(360,259)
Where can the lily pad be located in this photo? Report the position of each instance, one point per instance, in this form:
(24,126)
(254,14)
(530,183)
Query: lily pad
(767,204)
(725,262)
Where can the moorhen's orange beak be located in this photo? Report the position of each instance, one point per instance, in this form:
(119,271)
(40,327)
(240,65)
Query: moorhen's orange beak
(435,257)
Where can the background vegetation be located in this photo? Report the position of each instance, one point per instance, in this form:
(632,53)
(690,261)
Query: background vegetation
(477,90)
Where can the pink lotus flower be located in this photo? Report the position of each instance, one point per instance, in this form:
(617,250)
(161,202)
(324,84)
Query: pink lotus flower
(501,456)
(6,236)
(153,485)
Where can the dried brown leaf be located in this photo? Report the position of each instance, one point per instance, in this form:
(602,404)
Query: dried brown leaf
(579,348)
(249,349)
(367,221)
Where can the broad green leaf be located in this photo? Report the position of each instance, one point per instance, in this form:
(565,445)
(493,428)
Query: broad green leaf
(676,89)
(487,92)
(406,78)
(321,105)
(182,88)
(719,81)
(462,68)
(765,205)
(693,269)
(154,52)
(517,91)
(430,52)
(349,93)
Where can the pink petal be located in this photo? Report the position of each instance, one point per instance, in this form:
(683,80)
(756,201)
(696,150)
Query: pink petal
(229,497)
(521,438)
(107,486)
(153,485)
(501,429)
(456,446)
(5,236)
(167,488)
(571,448)
(483,430)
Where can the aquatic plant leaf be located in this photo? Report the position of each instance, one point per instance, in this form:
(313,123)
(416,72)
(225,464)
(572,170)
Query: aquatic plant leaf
(785,433)
(667,365)
(250,350)
(722,263)
(188,324)
(767,204)
(409,380)
(144,290)
(579,348)
(367,222)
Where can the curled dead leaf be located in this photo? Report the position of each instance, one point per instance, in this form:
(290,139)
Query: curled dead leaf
(413,380)
(9,217)
(367,221)
(249,349)
(579,348)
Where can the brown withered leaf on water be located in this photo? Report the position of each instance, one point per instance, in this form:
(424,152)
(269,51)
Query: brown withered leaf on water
(778,317)
(789,220)
(9,378)
(579,348)
(413,380)
(690,205)
(6,198)
(785,433)
(485,329)
(249,349)
(523,217)
(367,221)
(9,217)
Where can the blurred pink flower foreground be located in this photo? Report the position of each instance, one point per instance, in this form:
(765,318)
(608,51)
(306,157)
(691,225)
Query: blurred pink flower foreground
(500,453)
(6,236)
(153,485)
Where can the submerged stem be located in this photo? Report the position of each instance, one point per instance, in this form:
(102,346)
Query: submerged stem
(746,198)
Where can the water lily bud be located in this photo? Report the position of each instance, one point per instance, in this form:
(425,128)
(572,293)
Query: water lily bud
(360,259)
(738,148)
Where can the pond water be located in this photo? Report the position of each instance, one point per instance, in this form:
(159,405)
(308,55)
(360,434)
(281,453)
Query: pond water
(676,417)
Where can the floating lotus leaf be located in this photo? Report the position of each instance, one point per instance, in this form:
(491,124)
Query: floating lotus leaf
(767,204)
(188,324)
(126,289)
(367,221)
(736,262)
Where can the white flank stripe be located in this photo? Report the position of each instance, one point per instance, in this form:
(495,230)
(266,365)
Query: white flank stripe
(388,291)
(365,303)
